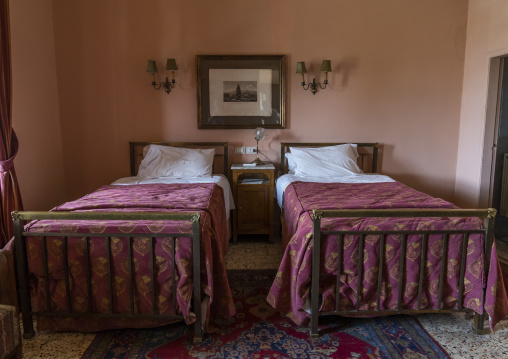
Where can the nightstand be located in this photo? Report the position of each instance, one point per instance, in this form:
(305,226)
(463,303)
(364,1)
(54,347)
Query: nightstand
(253,191)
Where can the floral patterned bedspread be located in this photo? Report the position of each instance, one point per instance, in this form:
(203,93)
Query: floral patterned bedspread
(206,198)
(289,293)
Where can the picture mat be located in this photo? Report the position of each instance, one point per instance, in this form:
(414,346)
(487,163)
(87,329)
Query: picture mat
(263,106)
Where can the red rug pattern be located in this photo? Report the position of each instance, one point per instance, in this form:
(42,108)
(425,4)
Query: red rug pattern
(258,331)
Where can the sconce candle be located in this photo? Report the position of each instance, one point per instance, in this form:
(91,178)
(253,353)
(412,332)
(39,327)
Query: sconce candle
(300,69)
(170,66)
(152,68)
(326,67)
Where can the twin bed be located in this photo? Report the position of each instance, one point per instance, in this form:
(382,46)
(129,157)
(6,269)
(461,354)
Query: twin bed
(145,250)
(362,244)
(141,252)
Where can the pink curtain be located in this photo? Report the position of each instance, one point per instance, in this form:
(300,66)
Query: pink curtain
(9,189)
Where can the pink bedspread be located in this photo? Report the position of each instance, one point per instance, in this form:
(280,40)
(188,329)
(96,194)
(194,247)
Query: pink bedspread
(206,198)
(290,291)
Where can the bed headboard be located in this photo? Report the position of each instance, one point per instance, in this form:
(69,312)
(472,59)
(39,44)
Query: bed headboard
(367,161)
(221,150)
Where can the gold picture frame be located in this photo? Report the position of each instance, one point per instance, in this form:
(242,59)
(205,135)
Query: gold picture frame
(241,91)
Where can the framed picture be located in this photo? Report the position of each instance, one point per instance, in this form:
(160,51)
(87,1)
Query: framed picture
(241,91)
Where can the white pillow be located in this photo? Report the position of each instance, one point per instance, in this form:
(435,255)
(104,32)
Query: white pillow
(291,162)
(327,161)
(176,162)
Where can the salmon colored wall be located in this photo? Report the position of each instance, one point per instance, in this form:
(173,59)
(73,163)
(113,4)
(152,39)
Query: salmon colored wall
(487,37)
(36,116)
(397,78)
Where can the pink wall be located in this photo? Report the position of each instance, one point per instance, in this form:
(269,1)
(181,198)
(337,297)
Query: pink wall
(397,78)
(36,115)
(487,37)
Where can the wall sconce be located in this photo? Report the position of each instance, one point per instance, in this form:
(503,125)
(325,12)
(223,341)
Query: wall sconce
(170,66)
(326,67)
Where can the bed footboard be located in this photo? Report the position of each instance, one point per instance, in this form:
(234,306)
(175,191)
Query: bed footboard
(377,307)
(67,311)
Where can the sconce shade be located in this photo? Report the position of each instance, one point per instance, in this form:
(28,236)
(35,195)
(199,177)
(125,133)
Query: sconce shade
(300,68)
(171,65)
(152,66)
(326,66)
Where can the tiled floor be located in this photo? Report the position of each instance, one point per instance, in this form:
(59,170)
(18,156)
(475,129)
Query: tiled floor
(454,333)
(254,253)
(65,345)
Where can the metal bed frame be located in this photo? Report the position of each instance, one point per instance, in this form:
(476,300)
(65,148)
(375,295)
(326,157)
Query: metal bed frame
(20,218)
(488,216)
(23,273)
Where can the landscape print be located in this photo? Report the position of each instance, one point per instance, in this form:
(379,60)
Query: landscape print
(240,91)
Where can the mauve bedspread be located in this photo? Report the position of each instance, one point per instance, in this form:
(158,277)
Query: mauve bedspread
(290,291)
(206,198)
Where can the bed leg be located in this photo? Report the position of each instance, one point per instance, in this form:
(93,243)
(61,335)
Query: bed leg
(478,326)
(196,278)
(314,291)
(479,319)
(22,267)
(28,333)
(198,333)
(314,321)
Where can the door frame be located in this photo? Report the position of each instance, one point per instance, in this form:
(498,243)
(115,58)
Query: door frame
(491,130)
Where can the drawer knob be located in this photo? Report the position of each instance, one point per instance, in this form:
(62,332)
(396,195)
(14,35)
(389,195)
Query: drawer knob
(239,208)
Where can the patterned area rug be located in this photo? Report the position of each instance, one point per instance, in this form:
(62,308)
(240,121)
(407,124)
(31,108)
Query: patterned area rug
(258,331)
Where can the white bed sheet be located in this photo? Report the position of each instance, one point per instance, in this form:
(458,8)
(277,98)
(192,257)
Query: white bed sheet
(285,180)
(221,180)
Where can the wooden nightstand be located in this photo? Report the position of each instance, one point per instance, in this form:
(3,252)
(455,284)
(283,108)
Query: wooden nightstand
(253,191)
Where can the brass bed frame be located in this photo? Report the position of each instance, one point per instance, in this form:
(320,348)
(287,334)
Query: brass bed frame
(20,218)
(371,149)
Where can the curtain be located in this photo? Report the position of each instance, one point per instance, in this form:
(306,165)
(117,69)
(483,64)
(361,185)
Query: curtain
(9,189)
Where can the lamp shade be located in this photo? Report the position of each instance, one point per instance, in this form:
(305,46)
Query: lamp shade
(152,66)
(171,65)
(300,68)
(326,66)
(259,133)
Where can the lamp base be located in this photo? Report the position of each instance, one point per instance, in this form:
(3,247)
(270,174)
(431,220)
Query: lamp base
(257,162)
